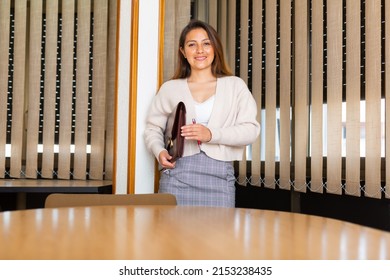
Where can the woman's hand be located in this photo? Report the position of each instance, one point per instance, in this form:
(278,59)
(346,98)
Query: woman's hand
(197,132)
(164,159)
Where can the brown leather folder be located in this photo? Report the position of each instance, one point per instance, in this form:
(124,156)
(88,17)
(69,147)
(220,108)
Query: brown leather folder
(174,142)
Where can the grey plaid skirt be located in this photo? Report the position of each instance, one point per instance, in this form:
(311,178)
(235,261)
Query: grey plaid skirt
(200,180)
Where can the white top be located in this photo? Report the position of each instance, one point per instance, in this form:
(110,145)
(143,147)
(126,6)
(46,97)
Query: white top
(203,110)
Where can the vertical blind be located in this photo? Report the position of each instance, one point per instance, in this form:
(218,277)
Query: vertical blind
(318,72)
(177,15)
(57,88)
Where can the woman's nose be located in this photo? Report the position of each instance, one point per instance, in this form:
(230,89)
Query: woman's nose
(199,49)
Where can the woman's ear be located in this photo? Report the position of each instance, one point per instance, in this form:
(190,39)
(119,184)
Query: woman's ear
(182,51)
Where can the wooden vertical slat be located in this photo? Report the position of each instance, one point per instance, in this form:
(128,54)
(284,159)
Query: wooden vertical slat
(110,98)
(5,8)
(270,92)
(334,94)
(353,99)
(136,16)
(182,17)
(301,90)
(177,16)
(244,71)
(201,10)
(99,86)
(50,88)
(66,92)
(18,84)
(387,93)
(213,13)
(373,99)
(132,121)
(34,83)
(317,65)
(82,80)
(285,94)
(222,24)
(231,46)
(257,86)
(170,45)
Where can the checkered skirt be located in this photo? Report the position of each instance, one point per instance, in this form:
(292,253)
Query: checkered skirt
(200,180)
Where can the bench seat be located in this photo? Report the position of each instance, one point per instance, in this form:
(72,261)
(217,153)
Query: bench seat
(31,193)
(54,186)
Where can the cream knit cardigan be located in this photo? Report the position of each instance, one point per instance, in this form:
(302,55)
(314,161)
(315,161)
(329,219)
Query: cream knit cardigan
(232,122)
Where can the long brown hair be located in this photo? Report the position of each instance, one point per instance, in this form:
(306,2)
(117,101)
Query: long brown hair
(219,66)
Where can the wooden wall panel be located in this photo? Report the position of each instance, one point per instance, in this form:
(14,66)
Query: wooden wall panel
(213,13)
(5,7)
(18,86)
(301,93)
(387,96)
(285,95)
(66,93)
(111,91)
(334,94)
(99,85)
(34,87)
(317,93)
(231,46)
(50,88)
(257,54)
(244,35)
(353,86)
(82,92)
(373,98)
(270,89)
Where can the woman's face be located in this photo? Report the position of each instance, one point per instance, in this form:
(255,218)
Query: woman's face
(198,50)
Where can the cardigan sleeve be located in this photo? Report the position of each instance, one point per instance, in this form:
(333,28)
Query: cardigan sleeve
(163,103)
(156,121)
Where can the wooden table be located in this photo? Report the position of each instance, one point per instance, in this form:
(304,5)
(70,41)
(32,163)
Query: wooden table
(180,232)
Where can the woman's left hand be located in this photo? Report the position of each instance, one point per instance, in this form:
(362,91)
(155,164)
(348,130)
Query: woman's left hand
(197,132)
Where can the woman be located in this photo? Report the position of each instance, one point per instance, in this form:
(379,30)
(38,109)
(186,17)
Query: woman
(220,121)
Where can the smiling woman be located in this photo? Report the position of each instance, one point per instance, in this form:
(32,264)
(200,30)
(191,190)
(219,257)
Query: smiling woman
(221,121)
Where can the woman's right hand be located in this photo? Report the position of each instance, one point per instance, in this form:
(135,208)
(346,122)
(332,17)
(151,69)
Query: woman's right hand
(164,159)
